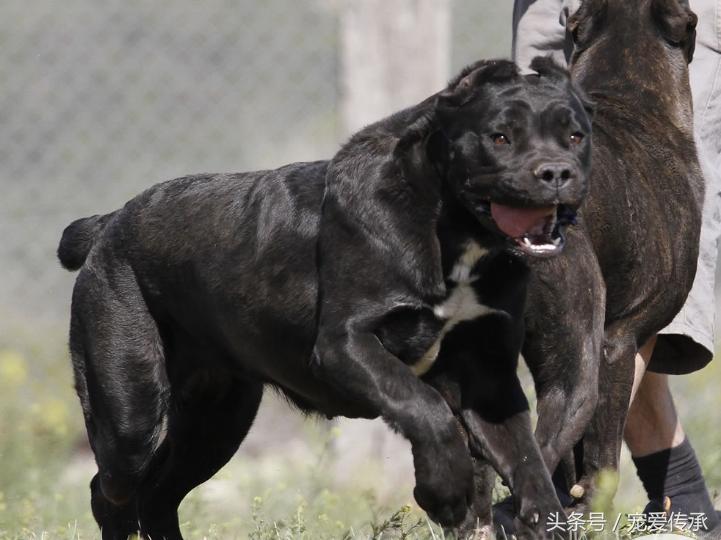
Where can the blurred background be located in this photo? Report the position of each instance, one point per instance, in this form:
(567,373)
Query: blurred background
(101,100)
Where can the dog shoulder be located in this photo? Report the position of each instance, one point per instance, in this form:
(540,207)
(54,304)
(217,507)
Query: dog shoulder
(376,213)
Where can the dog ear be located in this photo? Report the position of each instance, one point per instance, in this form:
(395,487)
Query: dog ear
(462,88)
(547,68)
(582,24)
(410,151)
(438,152)
(415,133)
(677,24)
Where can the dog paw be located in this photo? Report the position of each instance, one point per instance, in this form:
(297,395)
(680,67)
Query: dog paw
(444,482)
(532,522)
(443,504)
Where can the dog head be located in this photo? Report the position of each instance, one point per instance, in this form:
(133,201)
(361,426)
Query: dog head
(515,150)
(616,37)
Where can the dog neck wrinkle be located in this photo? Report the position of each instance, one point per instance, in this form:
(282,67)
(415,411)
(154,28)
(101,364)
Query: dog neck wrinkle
(614,108)
(624,96)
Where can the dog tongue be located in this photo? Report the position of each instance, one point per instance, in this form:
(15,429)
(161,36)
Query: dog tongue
(516,222)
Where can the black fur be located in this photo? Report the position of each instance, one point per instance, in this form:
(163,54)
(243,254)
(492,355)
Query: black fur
(325,280)
(77,240)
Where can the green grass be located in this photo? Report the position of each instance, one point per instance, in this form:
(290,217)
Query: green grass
(45,467)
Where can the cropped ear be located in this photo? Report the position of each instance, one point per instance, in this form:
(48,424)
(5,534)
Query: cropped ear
(548,68)
(677,24)
(464,86)
(583,24)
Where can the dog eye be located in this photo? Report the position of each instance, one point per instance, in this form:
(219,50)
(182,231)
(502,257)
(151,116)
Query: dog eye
(499,139)
(576,138)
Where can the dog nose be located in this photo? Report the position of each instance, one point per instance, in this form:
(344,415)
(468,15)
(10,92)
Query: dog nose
(554,173)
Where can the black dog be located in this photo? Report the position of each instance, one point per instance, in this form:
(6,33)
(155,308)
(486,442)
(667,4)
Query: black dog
(340,283)
(637,242)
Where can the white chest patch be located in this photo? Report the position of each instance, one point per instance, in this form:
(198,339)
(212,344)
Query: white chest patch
(460,305)
(461,272)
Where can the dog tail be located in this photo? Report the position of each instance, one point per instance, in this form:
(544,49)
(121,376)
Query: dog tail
(78,239)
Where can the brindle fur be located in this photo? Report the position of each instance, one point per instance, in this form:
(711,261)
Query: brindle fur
(638,233)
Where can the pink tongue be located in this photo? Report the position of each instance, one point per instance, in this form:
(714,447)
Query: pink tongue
(516,222)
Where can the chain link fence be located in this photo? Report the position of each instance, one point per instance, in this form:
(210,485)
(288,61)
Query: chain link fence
(100,100)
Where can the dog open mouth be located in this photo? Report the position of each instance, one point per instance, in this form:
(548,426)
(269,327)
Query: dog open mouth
(536,231)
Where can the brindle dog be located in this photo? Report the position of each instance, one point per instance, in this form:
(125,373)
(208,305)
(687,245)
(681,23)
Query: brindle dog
(638,231)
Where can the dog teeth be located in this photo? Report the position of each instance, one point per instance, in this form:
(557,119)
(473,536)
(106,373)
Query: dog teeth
(546,247)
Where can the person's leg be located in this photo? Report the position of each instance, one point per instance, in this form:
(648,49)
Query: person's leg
(652,423)
(665,460)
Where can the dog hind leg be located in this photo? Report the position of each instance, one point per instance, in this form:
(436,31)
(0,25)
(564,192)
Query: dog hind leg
(120,378)
(204,431)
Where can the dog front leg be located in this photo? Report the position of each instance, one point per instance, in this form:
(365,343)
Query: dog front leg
(604,435)
(478,524)
(500,430)
(564,362)
(361,371)
(562,348)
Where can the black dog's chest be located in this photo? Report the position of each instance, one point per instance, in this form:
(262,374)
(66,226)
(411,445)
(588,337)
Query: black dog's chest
(415,334)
